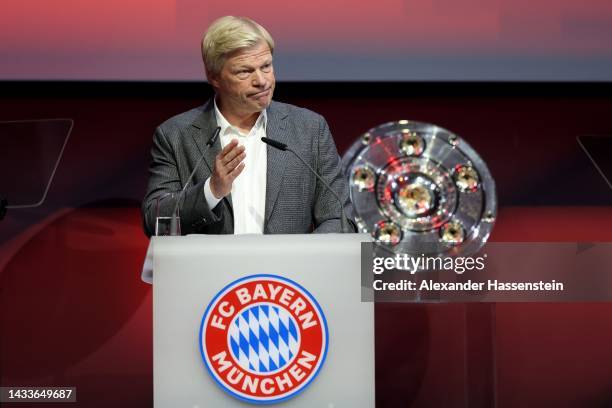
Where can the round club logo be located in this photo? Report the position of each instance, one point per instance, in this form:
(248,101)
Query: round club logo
(263,338)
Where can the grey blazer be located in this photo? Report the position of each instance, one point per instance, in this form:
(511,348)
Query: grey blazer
(296,202)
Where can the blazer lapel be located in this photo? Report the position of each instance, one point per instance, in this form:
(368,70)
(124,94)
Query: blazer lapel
(202,130)
(276,159)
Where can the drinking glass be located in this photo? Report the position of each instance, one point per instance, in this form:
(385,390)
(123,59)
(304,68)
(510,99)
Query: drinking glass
(167,223)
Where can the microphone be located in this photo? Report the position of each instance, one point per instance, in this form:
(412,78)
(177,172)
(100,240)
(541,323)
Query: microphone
(174,221)
(214,137)
(281,146)
(275,143)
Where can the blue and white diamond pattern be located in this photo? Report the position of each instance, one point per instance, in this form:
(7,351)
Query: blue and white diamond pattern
(263,338)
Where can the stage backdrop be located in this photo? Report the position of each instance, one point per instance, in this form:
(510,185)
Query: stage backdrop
(73,310)
(547,40)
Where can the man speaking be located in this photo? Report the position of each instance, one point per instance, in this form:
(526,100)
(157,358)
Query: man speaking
(244,185)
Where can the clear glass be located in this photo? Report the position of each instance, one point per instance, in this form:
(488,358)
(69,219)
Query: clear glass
(167,223)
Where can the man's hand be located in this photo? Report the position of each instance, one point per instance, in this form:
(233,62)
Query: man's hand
(228,165)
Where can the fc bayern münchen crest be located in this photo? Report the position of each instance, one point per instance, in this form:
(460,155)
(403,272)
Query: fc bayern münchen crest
(263,338)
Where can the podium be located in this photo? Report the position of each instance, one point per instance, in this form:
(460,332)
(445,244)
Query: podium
(307,286)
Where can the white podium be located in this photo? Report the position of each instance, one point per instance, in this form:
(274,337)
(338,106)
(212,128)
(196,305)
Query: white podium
(189,275)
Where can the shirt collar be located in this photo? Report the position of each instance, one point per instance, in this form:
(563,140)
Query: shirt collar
(225,126)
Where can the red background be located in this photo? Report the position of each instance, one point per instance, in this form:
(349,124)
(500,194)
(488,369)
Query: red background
(158,39)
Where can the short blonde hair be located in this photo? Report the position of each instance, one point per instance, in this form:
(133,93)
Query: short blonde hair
(228,34)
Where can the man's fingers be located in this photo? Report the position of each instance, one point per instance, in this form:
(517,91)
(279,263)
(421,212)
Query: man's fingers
(236,172)
(233,143)
(224,169)
(235,162)
(231,154)
(227,168)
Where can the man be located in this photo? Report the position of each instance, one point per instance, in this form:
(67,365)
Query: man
(244,186)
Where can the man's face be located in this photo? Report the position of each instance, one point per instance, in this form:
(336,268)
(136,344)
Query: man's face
(246,83)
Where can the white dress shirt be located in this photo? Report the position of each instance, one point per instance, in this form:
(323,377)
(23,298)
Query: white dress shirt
(249,188)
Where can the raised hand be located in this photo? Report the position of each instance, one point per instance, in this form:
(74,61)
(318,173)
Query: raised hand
(228,165)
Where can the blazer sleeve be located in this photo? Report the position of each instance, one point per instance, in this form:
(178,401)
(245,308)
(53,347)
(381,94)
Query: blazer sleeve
(326,209)
(163,189)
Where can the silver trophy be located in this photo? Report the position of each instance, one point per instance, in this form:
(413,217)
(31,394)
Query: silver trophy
(418,188)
